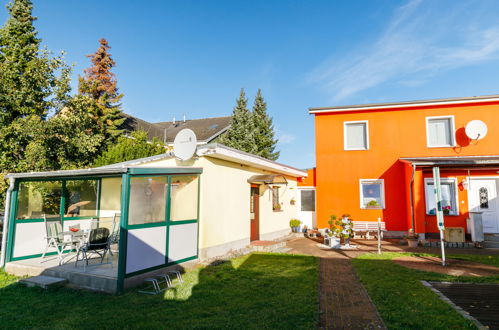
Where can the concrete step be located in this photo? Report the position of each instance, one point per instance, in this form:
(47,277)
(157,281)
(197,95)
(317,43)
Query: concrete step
(43,281)
(283,250)
(266,246)
(491,244)
(491,237)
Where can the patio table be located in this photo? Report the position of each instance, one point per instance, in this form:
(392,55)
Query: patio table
(77,238)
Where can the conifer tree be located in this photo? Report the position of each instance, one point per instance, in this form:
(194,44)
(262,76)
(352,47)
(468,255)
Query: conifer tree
(29,83)
(240,133)
(99,83)
(263,136)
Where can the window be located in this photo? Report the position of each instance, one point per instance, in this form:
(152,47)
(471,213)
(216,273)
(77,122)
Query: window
(308,200)
(372,194)
(184,198)
(440,131)
(356,135)
(276,205)
(39,198)
(81,198)
(147,200)
(449,198)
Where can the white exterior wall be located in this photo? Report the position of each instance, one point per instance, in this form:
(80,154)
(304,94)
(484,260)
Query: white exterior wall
(225,205)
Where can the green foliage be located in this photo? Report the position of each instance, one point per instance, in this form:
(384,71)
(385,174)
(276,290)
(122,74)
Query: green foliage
(258,291)
(241,131)
(130,148)
(251,131)
(32,82)
(400,298)
(294,223)
(332,222)
(263,136)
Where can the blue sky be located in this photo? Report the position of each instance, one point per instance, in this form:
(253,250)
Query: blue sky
(192,57)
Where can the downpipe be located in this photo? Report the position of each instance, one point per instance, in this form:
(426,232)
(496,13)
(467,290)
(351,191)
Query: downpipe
(6,216)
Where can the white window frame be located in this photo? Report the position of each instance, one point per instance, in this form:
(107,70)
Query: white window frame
(452,181)
(361,193)
(345,124)
(452,133)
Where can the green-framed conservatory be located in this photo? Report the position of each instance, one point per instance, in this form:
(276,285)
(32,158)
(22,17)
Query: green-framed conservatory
(154,213)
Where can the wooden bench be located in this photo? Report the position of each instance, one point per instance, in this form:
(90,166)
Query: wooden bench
(365,228)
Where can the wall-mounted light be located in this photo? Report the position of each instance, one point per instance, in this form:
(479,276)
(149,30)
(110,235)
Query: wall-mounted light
(465,184)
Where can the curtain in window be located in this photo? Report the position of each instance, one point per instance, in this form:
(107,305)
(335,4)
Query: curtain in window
(448,197)
(439,132)
(356,136)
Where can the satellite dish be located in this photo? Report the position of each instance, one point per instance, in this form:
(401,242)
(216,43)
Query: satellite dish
(476,129)
(184,145)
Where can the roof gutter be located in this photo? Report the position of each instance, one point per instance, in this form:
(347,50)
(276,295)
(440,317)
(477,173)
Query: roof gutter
(408,105)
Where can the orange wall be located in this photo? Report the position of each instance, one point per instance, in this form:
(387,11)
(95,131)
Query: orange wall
(393,133)
(309,181)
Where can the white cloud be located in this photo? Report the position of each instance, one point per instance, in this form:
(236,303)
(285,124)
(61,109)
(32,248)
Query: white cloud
(286,138)
(421,40)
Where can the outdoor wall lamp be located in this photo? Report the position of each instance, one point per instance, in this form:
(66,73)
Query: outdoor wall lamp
(465,184)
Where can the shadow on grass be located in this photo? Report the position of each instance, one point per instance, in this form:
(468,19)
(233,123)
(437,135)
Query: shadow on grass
(402,301)
(255,291)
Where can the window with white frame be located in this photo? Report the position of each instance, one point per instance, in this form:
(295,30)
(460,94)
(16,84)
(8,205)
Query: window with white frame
(372,194)
(449,196)
(440,131)
(356,135)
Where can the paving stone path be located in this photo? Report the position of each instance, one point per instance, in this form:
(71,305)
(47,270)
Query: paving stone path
(344,303)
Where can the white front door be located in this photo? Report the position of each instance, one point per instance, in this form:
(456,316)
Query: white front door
(306,207)
(483,198)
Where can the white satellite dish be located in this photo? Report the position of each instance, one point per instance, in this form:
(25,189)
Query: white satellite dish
(184,145)
(476,129)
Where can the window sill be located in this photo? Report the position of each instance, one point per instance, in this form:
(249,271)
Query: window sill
(445,146)
(277,210)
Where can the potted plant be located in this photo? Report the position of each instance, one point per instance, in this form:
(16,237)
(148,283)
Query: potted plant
(344,229)
(292,201)
(295,225)
(276,207)
(373,205)
(446,210)
(412,238)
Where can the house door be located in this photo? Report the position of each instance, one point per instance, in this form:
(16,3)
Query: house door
(254,213)
(483,198)
(306,204)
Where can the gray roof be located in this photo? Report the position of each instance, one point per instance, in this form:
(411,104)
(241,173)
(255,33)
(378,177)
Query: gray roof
(453,161)
(206,129)
(404,104)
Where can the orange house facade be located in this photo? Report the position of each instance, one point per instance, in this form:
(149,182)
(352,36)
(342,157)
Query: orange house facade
(376,161)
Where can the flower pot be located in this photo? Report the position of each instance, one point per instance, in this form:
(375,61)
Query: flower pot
(412,243)
(335,242)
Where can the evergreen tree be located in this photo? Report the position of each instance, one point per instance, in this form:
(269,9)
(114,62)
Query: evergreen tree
(130,148)
(100,84)
(240,134)
(29,84)
(264,140)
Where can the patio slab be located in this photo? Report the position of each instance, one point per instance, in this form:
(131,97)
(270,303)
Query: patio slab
(95,277)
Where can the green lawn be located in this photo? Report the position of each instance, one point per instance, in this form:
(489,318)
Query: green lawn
(402,301)
(257,291)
